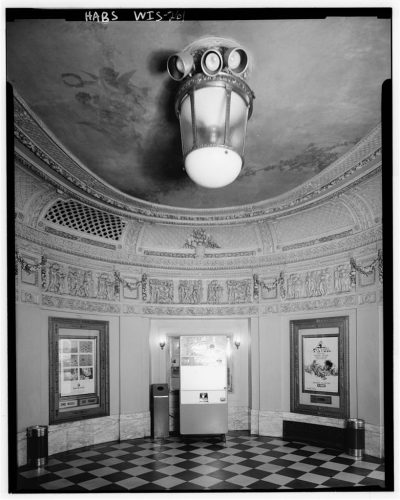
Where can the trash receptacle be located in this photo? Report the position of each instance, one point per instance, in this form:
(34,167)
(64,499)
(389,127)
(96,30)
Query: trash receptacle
(355,437)
(37,445)
(159,411)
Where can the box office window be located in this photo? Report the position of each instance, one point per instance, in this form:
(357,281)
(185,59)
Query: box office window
(79,369)
(173,370)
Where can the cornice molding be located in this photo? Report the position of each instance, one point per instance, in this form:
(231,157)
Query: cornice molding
(333,247)
(54,163)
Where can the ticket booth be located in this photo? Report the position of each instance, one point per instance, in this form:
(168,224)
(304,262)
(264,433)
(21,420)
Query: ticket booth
(203,385)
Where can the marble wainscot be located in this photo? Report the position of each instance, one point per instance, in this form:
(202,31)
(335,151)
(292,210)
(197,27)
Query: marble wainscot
(72,435)
(238,418)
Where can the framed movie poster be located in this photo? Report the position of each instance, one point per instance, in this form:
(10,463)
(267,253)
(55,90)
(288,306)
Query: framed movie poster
(319,367)
(78,378)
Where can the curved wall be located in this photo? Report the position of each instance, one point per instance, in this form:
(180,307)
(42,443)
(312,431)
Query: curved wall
(197,273)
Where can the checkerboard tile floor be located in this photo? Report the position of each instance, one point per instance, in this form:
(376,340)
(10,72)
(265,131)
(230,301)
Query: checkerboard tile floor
(243,462)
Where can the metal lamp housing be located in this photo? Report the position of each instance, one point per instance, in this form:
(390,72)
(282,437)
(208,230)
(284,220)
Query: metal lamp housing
(213,105)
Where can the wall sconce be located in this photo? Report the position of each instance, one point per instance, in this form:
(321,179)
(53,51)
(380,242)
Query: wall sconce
(162,344)
(237,343)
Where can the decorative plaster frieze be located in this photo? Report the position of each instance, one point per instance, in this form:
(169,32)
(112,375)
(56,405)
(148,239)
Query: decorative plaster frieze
(215,292)
(129,309)
(161,291)
(243,213)
(317,241)
(201,311)
(77,282)
(199,238)
(270,309)
(67,246)
(239,291)
(190,291)
(26,187)
(29,297)
(312,305)
(131,235)
(64,234)
(366,279)
(349,244)
(359,209)
(178,255)
(367,298)
(51,153)
(79,305)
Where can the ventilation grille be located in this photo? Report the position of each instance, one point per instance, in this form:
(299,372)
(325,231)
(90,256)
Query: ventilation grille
(86,219)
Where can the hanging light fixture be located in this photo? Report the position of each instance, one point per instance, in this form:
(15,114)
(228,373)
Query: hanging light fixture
(213,104)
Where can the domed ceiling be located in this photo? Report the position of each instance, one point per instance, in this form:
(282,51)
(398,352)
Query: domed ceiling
(103,91)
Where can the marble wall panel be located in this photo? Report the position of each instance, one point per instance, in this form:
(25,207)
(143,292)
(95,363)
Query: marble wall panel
(270,423)
(21,449)
(374,440)
(238,418)
(254,428)
(72,435)
(104,431)
(135,425)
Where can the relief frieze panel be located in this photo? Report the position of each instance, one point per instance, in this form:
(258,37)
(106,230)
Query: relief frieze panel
(308,284)
(161,291)
(239,291)
(77,282)
(200,291)
(215,292)
(190,291)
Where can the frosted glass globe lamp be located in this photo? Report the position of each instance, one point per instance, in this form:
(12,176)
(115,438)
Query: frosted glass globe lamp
(213,104)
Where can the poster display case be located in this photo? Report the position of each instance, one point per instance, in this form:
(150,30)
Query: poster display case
(319,366)
(78,369)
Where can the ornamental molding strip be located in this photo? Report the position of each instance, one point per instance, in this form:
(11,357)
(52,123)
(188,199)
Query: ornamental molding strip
(201,311)
(54,159)
(354,243)
(367,298)
(319,304)
(79,305)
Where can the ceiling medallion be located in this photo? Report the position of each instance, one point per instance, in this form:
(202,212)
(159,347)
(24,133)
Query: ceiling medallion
(213,104)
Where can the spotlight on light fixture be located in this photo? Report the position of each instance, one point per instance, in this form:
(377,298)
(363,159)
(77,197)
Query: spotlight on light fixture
(211,62)
(237,343)
(180,65)
(213,104)
(236,60)
(162,344)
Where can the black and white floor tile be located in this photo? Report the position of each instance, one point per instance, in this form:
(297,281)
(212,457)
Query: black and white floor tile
(242,463)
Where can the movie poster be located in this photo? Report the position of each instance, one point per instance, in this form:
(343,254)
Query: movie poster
(77,364)
(321,363)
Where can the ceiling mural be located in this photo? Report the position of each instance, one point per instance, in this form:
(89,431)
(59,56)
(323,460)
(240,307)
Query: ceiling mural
(104,92)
